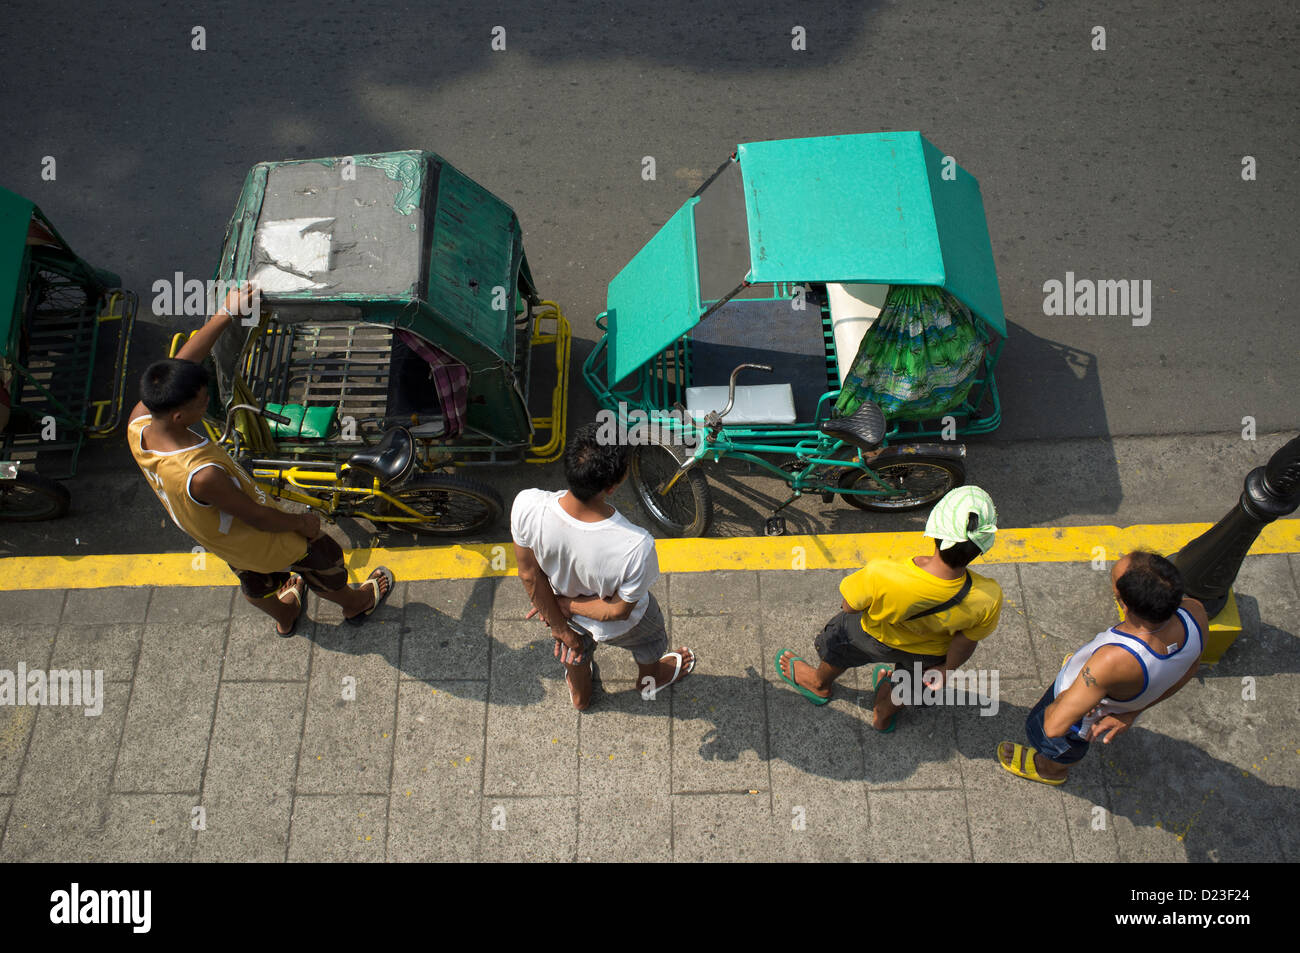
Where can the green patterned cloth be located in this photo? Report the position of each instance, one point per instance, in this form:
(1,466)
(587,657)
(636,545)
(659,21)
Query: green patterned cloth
(918,360)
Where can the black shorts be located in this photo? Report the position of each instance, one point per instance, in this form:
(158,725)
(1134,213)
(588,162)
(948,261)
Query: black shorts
(844,644)
(321,567)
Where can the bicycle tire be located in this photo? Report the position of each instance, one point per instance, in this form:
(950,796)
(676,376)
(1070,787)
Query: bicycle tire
(944,475)
(687,510)
(30,498)
(435,496)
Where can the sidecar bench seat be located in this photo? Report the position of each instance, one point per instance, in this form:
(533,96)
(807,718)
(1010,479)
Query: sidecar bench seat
(755,403)
(790,341)
(421,426)
(413,400)
(854,308)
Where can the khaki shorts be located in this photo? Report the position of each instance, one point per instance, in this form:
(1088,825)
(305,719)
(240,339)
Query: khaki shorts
(321,567)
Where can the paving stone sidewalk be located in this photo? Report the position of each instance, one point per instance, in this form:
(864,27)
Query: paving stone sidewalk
(442,730)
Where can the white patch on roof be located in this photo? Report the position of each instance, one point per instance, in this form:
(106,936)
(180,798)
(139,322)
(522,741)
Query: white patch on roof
(299,248)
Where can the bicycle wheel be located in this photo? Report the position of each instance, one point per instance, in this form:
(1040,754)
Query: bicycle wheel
(920,480)
(686,509)
(30,497)
(451,505)
(57,294)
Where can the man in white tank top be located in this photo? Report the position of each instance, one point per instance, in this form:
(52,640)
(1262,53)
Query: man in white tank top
(1101,688)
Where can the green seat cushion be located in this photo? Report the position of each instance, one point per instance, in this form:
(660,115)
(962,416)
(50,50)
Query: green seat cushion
(293,411)
(305,423)
(317,422)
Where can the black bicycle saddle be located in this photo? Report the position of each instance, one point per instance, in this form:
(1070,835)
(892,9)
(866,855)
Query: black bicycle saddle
(864,428)
(390,458)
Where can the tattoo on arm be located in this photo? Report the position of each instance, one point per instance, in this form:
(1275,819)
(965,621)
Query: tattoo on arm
(1088,678)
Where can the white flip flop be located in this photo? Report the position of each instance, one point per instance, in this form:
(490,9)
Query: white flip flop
(677,670)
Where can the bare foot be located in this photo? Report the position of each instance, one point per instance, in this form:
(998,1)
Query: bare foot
(803,674)
(579,694)
(291,594)
(883,687)
(1045,767)
(381,583)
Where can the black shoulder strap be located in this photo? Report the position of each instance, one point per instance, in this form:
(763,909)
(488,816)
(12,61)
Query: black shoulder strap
(961,594)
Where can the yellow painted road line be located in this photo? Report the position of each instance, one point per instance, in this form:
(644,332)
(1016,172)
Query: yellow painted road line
(842,551)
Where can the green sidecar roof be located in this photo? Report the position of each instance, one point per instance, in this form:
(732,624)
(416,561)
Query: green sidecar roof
(886,208)
(402,239)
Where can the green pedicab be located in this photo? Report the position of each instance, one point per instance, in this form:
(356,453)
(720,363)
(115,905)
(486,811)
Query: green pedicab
(53,311)
(396,339)
(855,269)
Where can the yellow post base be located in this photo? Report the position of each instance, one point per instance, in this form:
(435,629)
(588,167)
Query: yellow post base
(1224,629)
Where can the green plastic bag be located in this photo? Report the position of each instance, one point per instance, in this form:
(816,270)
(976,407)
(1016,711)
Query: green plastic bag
(918,360)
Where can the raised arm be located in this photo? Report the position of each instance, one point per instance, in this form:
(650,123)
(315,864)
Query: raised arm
(200,344)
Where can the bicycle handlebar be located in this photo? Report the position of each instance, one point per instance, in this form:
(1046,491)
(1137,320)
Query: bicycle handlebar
(713,424)
(731,385)
(230,417)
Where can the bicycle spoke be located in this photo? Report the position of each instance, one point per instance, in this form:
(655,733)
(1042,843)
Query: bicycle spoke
(678,504)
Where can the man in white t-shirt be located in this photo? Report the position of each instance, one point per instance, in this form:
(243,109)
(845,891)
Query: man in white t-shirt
(588,571)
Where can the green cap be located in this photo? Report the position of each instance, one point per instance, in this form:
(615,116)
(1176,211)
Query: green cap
(950,518)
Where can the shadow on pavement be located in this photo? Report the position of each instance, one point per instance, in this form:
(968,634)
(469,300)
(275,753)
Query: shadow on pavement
(1150,779)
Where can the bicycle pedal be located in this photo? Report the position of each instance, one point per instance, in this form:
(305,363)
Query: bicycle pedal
(775,526)
(828,496)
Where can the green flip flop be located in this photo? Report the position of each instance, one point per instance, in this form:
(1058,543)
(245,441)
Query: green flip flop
(805,692)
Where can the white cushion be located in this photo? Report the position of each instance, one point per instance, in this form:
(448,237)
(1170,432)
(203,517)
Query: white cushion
(756,404)
(854,308)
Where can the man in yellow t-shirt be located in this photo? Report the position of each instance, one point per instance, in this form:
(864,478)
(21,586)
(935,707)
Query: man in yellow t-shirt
(274,553)
(929,610)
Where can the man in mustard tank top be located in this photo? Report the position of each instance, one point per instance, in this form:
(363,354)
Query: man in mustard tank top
(276,554)
(1103,686)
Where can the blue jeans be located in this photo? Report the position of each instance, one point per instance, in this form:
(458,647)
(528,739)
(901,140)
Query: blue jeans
(1064,750)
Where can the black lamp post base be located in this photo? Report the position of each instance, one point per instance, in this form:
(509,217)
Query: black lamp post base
(1211,561)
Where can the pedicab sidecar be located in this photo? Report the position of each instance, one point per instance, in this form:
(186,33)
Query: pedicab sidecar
(60,320)
(858,270)
(395,295)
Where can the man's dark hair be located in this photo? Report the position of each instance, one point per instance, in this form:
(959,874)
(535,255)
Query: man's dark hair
(171,383)
(960,555)
(591,467)
(1151,587)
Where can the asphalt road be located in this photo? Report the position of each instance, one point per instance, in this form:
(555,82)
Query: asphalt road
(1123,163)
